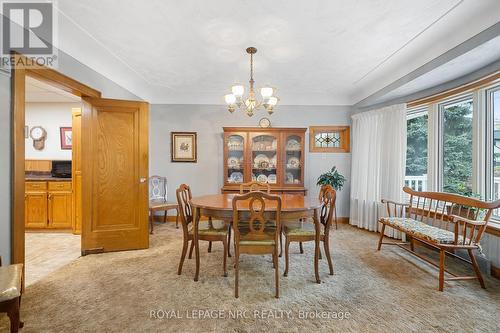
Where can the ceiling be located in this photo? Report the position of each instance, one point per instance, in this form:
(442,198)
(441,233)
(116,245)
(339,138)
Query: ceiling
(315,52)
(473,60)
(38,91)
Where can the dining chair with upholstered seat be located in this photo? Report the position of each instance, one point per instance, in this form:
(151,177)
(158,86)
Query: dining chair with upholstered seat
(11,277)
(158,200)
(256,231)
(211,231)
(254,186)
(303,231)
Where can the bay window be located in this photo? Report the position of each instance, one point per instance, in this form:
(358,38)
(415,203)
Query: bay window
(456,148)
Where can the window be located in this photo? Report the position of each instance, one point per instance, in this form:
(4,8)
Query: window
(456,154)
(416,150)
(493,108)
(329,139)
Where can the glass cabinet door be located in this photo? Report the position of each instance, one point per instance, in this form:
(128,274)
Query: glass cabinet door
(235,159)
(264,154)
(293,162)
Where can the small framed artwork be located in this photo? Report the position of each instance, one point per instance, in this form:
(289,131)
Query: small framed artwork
(329,139)
(183,147)
(66,138)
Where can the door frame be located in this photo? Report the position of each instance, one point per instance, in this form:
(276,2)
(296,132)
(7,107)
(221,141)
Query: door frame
(19,73)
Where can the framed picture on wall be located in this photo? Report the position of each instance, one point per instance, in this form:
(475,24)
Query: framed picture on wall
(183,146)
(66,138)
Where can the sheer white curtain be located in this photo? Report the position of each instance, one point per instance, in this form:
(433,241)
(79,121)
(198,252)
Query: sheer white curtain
(378,163)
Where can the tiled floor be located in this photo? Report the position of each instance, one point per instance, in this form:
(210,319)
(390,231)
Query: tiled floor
(47,252)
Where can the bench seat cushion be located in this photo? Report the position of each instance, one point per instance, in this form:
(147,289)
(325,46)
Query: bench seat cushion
(421,230)
(10,282)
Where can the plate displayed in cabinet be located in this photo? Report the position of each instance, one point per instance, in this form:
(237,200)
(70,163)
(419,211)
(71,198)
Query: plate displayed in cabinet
(292,144)
(262,178)
(293,163)
(236,177)
(233,162)
(261,161)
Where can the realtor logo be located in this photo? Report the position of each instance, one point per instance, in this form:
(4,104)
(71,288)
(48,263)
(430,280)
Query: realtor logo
(27,28)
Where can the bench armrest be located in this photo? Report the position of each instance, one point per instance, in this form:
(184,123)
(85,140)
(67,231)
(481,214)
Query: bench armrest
(385,201)
(456,219)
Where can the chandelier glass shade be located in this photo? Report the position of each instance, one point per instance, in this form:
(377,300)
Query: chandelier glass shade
(250,103)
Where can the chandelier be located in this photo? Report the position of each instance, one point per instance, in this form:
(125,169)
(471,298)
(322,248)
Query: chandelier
(250,103)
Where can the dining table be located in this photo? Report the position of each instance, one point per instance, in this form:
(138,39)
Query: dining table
(293,208)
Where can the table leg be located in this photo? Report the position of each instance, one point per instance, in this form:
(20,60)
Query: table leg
(196,220)
(316,245)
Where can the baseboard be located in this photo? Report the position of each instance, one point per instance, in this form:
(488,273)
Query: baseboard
(495,272)
(343,220)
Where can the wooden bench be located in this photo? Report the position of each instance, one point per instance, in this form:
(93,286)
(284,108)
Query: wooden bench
(10,293)
(446,222)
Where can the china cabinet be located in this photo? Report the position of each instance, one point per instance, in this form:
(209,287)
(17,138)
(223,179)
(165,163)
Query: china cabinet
(268,155)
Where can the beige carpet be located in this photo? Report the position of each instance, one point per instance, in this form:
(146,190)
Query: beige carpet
(385,291)
(49,251)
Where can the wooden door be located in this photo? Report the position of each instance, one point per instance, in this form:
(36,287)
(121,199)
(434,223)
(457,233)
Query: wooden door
(77,170)
(35,210)
(60,210)
(115,172)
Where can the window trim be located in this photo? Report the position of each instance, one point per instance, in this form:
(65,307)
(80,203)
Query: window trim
(482,101)
(440,135)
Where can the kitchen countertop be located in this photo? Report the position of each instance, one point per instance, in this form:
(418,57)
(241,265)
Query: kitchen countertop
(45,177)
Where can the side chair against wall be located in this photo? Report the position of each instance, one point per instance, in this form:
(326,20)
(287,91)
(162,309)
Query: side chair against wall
(255,230)
(305,231)
(10,293)
(443,221)
(158,200)
(211,231)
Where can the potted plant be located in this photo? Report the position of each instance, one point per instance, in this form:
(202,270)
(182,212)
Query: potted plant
(333,178)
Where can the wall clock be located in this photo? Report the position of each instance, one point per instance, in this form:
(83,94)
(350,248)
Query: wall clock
(264,123)
(39,135)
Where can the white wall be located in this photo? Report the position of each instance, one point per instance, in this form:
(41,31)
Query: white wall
(206,176)
(5,151)
(51,116)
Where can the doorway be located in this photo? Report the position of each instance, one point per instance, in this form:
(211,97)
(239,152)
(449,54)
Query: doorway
(52,190)
(106,125)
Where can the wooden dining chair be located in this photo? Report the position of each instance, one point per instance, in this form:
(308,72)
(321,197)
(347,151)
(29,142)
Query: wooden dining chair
(320,197)
(255,186)
(305,231)
(158,200)
(211,231)
(255,230)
